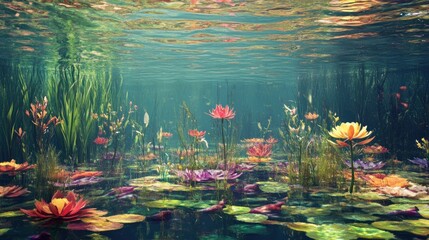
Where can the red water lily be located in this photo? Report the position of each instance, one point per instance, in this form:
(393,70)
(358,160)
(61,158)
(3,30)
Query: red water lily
(101,141)
(260,150)
(195,133)
(83,174)
(68,208)
(222,112)
(12,191)
(12,166)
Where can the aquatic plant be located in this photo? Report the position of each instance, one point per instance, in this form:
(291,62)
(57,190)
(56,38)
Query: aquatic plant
(421,162)
(12,167)
(259,152)
(78,182)
(223,113)
(350,132)
(47,168)
(382,180)
(366,165)
(12,191)
(204,175)
(62,207)
(122,192)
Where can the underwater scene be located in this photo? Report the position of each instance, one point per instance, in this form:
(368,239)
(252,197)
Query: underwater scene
(214,119)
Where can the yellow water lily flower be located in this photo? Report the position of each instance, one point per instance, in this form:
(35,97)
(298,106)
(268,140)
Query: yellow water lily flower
(350,131)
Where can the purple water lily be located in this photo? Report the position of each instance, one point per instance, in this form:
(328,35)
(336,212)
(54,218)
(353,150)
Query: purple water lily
(421,162)
(122,192)
(366,166)
(238,167)
(205,175)
(79,182)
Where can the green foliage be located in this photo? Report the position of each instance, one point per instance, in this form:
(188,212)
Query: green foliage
(46,168)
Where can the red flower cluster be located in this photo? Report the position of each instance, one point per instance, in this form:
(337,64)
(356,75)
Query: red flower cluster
(101,141)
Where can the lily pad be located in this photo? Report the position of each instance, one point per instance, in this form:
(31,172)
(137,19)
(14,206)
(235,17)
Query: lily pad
(251,218)
(126,218)
(236,210)
(370,233)
(419,223)
(240,229)
(11,214)
(420,231)
(163,203)
(273,187)
(326,219)
(361,217)
(331,231)
(4,230)
(393,225)
(307,211)
(216,237)
(302,226)
(370,196)
(99,224)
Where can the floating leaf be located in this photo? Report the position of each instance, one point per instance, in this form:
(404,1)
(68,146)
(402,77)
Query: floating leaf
(361,217)
(273,187)
(236,210)
(163,203)
(11,214)
(216,237)
(420,231)
(419,223)
(95,225)
(4,230)
(370,233)
(126,218)
(331,231)
(302,226)
(393,225)
(370,196)
(251,218)
(307,211)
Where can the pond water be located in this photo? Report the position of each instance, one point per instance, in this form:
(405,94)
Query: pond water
(233,119)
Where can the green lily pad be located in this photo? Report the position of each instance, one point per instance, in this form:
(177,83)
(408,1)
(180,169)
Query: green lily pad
(331,231)
(240,229)
(370,233)
(307,211)
(420,231)
(273,187)
(302,226)
(368,205)
(163,203)
(254,200)
(361,217)
(236,210)
(419,223)
(326,219)
(4,230)
(251,218)
(369,196)
(393,225)
(11,214)
(408,200)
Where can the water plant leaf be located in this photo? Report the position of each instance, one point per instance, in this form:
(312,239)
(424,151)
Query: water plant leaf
(4,230)
(370,196)
(273,187)
(307,211)
(11,214)
(419,223)
(126,218)
(393,225)
(370,233)
(302,226)
(99,224)
(331,231)
(216,237)
(236,210)
(163,203)
(361,217)
(420,231)
(251,218)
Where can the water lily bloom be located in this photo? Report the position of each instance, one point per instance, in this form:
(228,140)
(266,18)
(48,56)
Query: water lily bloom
(12,166)
(66,208)
(375,149)
(12,191)
(222,112)
(260,150)
(195,133)
(421,162)
(311,116)
(101,141)
(349,131)
(366,166)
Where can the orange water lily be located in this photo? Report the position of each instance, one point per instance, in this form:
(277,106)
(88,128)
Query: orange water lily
(348,132)
(12,166)
(67,208)
(12,191)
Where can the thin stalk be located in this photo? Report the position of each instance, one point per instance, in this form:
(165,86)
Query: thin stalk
(224,145)
(352,182)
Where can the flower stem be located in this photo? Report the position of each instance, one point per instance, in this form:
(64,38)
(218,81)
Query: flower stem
(352,182)
(224,145)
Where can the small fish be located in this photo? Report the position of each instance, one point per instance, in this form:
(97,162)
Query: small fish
(161,216)
(214,208)
(269,208)
(412,212)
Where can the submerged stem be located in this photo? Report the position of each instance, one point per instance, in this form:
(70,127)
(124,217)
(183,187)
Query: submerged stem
(352,182)
(224,145)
